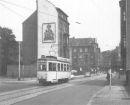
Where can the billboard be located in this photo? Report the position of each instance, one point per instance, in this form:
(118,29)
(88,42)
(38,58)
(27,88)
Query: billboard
(48,32)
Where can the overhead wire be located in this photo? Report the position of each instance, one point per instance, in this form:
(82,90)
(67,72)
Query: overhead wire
(17,14)
(26,8)
(50,14)
(104,13)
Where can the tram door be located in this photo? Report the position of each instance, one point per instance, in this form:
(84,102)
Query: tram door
(52,71)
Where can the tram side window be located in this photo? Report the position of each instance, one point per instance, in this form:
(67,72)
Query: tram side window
(54,66)
(50,66)
(58,66)
(67,67)
(42,67)
(61,67)
(64,67)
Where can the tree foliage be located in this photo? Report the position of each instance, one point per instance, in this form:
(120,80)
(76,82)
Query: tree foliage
(9,48)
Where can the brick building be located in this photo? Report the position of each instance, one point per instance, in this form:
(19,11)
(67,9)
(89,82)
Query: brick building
(84,53)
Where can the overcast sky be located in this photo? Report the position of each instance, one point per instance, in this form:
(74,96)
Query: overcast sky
(99,18)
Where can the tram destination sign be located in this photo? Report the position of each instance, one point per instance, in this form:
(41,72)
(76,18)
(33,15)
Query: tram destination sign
(63,59)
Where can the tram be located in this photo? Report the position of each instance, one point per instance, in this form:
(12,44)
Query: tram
(52,69)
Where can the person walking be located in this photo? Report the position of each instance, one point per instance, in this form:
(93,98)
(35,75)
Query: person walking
(108,77)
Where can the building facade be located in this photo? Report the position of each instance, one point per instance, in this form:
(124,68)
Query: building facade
(128,33)
(0,58)
(123,32)
(45,33)
(128,41)
(125,36)
(84,54)
(105,62)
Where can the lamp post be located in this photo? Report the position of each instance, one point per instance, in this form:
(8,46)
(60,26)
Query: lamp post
(19,78)
(110,71)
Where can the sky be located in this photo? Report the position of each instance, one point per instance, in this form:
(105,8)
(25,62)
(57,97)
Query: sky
(98,18)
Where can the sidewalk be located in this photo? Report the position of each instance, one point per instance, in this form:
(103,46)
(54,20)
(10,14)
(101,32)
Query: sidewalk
(117,95)
(15,80)
(26,80)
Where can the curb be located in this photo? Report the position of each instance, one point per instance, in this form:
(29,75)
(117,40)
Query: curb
(95,95)
(29,81)
(25,81)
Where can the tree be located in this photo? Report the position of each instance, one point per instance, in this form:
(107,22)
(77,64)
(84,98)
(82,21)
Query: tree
(9,48)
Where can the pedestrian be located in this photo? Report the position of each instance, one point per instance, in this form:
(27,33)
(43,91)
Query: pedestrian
(12,75)
(108,77)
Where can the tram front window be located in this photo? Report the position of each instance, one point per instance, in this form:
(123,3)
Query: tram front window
(42,67)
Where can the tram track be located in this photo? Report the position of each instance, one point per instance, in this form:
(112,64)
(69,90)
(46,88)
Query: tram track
(12,97)
(23,92)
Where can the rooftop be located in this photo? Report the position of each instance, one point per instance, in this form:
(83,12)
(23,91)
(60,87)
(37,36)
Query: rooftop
(81,41)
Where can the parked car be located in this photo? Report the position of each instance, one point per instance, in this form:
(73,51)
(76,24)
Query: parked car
(72,75)
(87,74)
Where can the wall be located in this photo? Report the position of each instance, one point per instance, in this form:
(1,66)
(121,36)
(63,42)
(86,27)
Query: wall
(30,39)
(47,14)
(26,72)
(128,36)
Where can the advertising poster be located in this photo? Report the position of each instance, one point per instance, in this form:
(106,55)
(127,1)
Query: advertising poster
(48,32)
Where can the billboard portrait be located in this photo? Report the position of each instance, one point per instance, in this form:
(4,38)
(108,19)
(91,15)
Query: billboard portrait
(48,32)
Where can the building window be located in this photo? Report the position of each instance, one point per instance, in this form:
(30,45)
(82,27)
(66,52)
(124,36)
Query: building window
(74,56)
(66,28)
(124,18)
(86,58)
(64,17)
(74,50)
(61,52)
(86,49)
(80,49)
(91,62)
(91,56)
(67,40)
(63,27)
(60,37)
(80,55)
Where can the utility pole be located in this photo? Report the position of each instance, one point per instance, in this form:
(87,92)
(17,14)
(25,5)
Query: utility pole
(110,69)
(19,78)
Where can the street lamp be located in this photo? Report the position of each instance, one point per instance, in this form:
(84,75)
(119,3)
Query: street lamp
(110,70)
(19,78)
